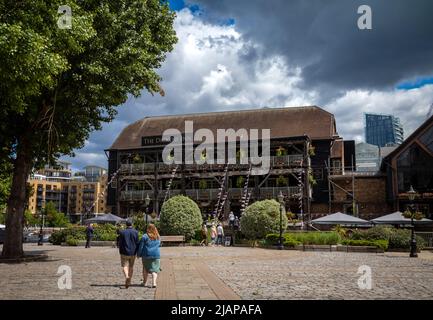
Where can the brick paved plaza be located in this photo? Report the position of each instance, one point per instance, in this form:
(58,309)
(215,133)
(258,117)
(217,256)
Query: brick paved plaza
(222,273)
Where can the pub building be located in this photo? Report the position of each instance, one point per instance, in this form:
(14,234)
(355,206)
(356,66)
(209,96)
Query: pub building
(303,146)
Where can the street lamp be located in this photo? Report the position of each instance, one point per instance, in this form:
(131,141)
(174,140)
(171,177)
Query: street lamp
(413,249)
(280,200)
(147,202)
(41,235)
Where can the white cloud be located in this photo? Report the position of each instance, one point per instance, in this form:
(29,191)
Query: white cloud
(411,106)
(213,68)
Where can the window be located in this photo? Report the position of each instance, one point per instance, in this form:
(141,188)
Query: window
(427,139)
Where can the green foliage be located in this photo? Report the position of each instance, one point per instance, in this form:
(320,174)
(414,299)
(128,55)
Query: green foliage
(416,215)
(101,232)
(311,179)
(5,186)
(104,232)
(281,152)
(53,217)
(290,216)
(2,217)
(274,239)
(180,216)
(58,85)
(282,181)
(375,233)
(71,241)
(77,232)
(382,244)
(202,184)
(319,238)
(397,238)
(290,242)
(261,218)
(30,219)
(139,221)
(340,230)
(240,182)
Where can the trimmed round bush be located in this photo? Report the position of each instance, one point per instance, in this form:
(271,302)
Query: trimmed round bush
(180,216)
(261,218)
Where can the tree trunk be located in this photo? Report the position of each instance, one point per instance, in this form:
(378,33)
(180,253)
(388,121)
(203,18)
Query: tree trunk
(13,243)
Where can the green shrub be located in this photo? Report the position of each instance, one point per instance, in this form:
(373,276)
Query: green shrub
(290,242)
(375,233)
(139,221)
(401,239)
(71,241)
(317,238)
(180,216)
(55,218)
(262,218)
(273,239)
(104,232)
(382,244)
(397,238)
(77,232)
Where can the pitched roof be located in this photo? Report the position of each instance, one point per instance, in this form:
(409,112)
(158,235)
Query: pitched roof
(283,122)
(409,140)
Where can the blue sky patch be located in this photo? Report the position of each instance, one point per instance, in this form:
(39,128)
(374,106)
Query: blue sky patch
(414,84)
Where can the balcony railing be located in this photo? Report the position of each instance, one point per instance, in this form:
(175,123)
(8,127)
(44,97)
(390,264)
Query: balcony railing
(295,160)
(212,194)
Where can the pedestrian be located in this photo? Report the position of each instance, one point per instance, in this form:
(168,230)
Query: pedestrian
(204,235)
(128,244)
(213,233)
(237,223)
(220,234)
(150,254)
(89,235)
(232,219)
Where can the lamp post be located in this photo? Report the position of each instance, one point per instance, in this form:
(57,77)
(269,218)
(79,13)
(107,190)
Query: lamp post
(41,235)
(280,200)
(146,202)
(413,249)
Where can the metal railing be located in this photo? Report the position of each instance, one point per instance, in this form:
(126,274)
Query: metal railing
(212,194)
(275,161)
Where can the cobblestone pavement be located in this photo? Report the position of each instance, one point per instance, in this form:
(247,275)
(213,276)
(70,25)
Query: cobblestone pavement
(222,273)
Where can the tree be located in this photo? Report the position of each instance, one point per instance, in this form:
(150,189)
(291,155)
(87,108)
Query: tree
(57,85)
(5,184)
(262,218)
(53,217)
(180,216)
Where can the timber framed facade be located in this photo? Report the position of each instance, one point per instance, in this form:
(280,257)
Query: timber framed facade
(302,141)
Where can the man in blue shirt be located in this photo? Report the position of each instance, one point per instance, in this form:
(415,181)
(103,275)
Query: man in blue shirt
(128,244)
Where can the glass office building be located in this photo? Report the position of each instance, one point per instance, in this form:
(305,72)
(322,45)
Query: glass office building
(382,130)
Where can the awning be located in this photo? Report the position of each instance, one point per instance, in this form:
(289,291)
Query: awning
(105,218)
(341,219)
(398,218)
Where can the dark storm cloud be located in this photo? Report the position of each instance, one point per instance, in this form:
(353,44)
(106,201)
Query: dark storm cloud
(322,37)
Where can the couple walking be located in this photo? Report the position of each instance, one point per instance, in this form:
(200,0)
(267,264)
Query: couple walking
(147,248)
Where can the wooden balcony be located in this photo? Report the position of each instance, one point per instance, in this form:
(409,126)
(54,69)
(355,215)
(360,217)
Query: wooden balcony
(289,161)
(211,194)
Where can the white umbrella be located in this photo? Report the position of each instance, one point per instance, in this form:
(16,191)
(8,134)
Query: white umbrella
(340,218)
(398,218)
